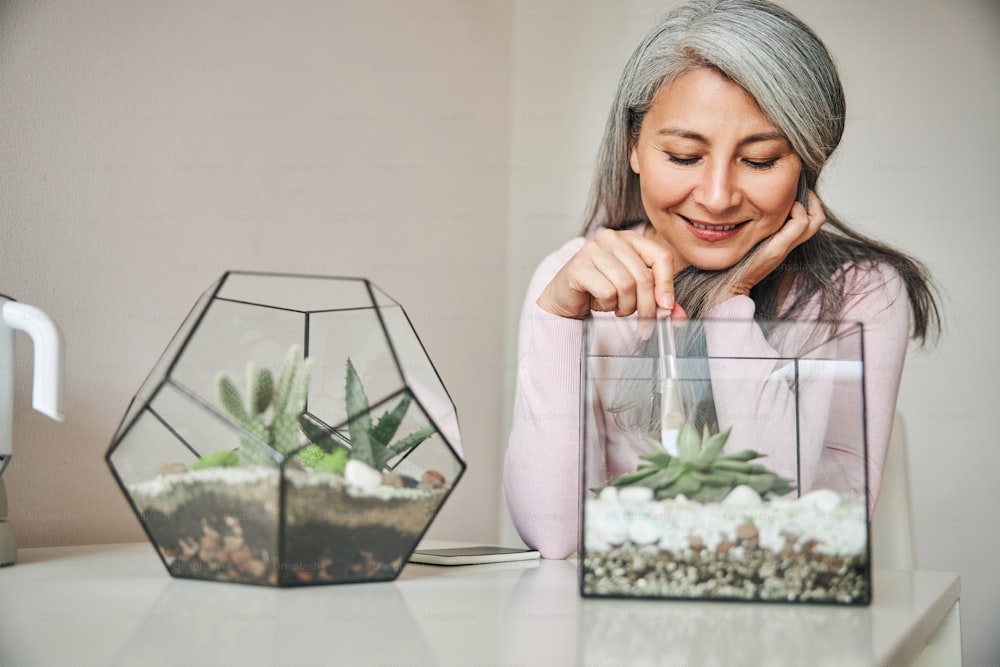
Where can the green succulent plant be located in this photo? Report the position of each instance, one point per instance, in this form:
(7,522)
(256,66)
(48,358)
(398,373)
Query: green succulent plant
(270,411)
(370,441)
(273,412)
(700,471)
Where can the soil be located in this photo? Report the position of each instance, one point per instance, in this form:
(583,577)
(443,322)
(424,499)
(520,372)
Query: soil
(225,525)
(748,573)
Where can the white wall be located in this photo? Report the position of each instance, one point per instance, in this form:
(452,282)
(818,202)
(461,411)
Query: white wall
(918,168)
(149,146)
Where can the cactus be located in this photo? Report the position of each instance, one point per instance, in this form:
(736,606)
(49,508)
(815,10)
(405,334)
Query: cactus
(699,471)
(270,412)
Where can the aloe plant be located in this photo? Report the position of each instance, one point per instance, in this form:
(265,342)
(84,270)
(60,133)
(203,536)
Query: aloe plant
(370,441)
(700,471)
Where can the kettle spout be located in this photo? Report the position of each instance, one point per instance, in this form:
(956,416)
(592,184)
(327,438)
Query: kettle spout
(47,386)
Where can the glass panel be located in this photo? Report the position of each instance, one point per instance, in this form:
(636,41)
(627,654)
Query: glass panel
(735,461)
(217,523)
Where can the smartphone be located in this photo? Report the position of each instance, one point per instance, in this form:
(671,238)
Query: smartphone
(473,555)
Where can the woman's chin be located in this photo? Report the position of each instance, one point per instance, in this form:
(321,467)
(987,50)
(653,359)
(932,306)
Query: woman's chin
(715,261)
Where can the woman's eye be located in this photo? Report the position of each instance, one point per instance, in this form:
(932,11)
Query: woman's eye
(760,164)
(681,160)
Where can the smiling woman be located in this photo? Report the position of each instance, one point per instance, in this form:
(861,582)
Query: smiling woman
(715,175)
(703,204)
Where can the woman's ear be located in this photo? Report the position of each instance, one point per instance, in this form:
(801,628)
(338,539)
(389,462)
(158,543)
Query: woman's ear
(633,155)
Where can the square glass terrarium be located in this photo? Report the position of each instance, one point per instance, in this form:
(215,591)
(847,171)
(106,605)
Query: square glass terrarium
(725,460)
(293,432)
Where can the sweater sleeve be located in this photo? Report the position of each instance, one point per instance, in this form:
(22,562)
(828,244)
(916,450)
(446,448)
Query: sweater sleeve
(826,426)
(542,463)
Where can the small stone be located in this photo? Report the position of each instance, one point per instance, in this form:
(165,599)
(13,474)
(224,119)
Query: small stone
(208,530)
(173,469)
(188,549)
(395,480)
(233,542)
(642,531)
(635,495)
(240,555)
(211,555)
(613,530)
(361,475)
(234,525)
(742,496)
(823,500)
(608,494)
(746,531)
(433,479)
(255,567)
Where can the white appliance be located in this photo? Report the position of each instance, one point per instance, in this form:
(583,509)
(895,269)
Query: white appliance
(46,389)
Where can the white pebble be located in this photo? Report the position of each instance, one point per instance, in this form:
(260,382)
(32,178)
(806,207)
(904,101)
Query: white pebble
(742,496)
(635,495)
(642,531)
(361,475)
(609,494)
(823,500)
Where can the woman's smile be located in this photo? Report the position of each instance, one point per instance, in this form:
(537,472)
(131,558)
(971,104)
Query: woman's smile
(710,232)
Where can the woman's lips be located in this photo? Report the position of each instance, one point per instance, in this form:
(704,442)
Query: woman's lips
(707,231)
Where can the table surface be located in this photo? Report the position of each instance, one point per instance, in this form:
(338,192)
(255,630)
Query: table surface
(116,605)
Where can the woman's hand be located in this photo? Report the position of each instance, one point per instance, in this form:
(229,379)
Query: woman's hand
(619,271)
(799,228)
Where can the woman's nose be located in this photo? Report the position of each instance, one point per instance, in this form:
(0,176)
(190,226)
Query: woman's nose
(718,191)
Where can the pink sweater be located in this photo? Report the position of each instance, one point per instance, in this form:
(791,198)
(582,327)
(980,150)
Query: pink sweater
(542,477)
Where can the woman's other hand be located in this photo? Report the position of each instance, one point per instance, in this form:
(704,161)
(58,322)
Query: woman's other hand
(799,228)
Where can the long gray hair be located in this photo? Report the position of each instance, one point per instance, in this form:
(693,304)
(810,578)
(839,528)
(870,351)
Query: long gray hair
(788,71)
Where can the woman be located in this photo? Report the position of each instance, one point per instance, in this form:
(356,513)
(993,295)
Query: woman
(703,205)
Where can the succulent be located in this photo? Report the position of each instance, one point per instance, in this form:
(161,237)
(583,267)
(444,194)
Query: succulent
(370,441)
(700,471)
(274,413)
(269,412)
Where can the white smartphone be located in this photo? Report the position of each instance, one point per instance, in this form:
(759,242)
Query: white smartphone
(473,555)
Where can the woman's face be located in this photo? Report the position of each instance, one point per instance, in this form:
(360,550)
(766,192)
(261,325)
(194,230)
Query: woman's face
(715,175)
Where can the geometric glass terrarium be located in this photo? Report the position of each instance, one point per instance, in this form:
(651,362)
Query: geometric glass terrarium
(738,462)
(294,432)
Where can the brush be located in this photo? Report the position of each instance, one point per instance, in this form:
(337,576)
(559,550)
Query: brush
(671,408)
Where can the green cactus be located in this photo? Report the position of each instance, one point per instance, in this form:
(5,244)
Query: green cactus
(370,442)
(270,412)
(699,472)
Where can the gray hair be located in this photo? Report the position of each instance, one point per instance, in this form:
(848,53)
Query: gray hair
(788,71)
(761,47)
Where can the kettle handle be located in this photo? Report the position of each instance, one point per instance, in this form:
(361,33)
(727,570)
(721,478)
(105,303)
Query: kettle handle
(48,359)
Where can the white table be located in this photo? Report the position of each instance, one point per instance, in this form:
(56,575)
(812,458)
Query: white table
(116,605)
